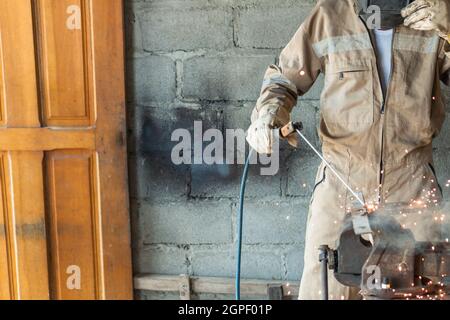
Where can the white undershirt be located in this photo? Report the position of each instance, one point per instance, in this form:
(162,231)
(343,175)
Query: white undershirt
(383,43)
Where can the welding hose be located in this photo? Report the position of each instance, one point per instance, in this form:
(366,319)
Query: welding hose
(240,220)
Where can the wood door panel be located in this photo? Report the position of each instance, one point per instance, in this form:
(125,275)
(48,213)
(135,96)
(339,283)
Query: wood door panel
(27,185)
(65,35)
(74,221)
(63,175)
(2,93)
(19,79)
(23,244)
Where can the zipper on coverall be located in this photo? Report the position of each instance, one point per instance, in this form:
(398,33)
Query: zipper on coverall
(383,105)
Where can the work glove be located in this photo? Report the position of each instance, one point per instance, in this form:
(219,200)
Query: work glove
(265,128)
(428,15)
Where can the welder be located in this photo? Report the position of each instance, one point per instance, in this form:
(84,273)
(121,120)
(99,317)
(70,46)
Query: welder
(380,109)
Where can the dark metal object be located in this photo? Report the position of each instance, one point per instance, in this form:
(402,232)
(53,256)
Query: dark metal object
(275,292)
(323,258)
(388,263)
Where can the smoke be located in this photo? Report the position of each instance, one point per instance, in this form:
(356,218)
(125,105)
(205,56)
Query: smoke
(429,223)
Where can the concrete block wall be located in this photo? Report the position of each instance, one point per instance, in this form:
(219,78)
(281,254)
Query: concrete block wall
(191,60)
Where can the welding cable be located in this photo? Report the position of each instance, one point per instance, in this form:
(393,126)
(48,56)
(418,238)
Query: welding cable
(240,220)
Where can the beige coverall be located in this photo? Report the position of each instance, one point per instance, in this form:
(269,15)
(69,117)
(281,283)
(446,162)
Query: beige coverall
(381,145)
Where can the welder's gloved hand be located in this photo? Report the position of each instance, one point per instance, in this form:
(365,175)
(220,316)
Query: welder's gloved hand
(429,15)
(264,129)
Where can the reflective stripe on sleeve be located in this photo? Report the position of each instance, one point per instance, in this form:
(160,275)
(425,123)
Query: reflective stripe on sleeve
(279,79)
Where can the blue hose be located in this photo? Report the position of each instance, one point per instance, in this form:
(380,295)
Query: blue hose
(240,220)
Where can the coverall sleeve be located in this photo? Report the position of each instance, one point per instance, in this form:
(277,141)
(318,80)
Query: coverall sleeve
(444,56)
(296,72)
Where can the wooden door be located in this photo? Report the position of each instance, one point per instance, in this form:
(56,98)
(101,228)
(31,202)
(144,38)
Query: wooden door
(64,222)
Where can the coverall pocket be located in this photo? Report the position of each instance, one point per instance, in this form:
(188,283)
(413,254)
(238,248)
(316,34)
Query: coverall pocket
(347,98)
